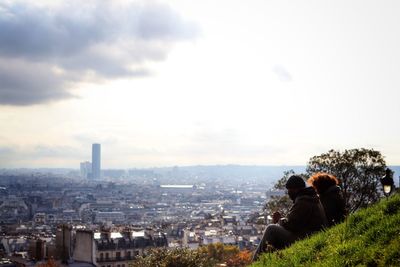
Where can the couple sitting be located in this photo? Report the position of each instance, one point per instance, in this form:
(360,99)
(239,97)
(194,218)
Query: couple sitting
(314,208)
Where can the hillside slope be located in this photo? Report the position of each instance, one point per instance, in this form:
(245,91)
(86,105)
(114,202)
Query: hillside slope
(370,237)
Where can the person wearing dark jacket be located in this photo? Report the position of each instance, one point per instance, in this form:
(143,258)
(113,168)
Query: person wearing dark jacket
(331,196)
(305,217)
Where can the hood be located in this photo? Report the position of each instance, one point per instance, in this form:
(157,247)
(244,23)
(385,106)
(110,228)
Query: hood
(333,189)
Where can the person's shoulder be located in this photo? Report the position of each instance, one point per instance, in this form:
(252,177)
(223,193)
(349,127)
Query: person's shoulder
(306,200)
(307,194)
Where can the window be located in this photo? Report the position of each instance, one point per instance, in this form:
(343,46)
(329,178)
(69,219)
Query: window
(118,255)
(107,258)
(128,254)
(123,265)
(101,257)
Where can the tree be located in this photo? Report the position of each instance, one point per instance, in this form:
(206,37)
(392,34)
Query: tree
(358,171)
(242,258)
(179,257)
(50,263)
(205,256)
(218,251)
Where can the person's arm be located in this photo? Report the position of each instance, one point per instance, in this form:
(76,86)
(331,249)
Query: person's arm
(276,216)
(295,218)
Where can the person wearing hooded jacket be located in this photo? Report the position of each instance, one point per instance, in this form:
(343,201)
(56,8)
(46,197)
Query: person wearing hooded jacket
(327,187)
(305,217)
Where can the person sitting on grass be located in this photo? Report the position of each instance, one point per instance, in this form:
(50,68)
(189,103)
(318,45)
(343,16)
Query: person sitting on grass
(305,217)
(330,195)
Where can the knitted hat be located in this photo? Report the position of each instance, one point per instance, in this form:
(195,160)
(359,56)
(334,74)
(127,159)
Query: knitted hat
(295,181)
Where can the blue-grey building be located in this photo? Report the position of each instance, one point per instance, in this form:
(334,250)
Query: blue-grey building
(96,159)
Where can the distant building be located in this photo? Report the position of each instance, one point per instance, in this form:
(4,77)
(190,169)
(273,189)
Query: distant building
(6,263)
(37,249)
(177,189)
(106,248)
(64,242)
(39,218)
(116,173)
(86,169)
(110,216)
(96,159)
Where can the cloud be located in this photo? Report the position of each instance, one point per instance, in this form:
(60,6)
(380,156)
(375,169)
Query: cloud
(24,83)
(39,151)
(224,146)
(41,155)
(45,50)
(45,151)
(282,73)
(88,138)
(5,150)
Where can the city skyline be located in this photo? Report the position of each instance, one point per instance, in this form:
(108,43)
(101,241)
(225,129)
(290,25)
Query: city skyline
(164,83)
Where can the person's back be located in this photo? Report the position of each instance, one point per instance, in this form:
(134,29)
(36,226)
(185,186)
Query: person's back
(334,205)
(331,197)
(306,215)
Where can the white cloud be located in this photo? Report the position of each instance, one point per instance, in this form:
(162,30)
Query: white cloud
(93,39)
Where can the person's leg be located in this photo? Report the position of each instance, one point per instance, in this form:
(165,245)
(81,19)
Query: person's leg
(260,248)
(278,237)
(275,235)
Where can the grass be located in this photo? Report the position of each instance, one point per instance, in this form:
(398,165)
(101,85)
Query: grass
(370,237)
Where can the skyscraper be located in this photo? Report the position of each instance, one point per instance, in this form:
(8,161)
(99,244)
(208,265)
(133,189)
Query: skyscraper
(86,169)
(96,150)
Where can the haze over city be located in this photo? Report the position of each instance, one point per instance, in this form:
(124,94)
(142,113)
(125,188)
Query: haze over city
(163,83)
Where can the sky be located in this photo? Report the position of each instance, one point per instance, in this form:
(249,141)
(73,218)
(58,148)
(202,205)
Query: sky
(180,82)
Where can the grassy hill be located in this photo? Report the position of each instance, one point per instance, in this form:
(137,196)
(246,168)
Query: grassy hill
(370,237)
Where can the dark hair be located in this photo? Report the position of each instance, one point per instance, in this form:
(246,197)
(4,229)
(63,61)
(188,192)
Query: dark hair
(295,181)
(321,181)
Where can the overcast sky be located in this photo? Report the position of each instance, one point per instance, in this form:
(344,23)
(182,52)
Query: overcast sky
(181,82)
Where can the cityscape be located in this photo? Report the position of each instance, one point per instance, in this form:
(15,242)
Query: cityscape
(108,217)
(176,133)
(47,215)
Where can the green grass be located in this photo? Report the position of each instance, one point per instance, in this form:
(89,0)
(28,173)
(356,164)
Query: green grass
(370,237)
